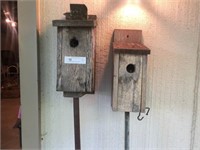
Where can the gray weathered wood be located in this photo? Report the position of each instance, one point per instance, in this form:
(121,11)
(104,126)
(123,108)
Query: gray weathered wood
(115,82)
(78,11)
(59,59)
(73,94)
(74,23)
(77,77)
(129,84)
(144,84)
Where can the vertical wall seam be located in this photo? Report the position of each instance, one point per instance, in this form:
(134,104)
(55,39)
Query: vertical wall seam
(196,88)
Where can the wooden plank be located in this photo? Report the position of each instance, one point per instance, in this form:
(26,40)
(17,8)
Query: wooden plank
(127,36)
(132,48)
(115,82)
(138,82)
(77,77)
(78,11)
(73,94)
(59,58)
(75,23)
(144,84)
(125,84)
(195,129)
(89,17)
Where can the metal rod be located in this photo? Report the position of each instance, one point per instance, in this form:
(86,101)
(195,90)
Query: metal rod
(127,118)
(76,124)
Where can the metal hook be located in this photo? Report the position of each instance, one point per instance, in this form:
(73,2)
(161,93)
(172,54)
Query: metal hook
(138,117)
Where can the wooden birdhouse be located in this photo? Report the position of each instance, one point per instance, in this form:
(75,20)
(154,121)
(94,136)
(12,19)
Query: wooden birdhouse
(130,71)
(76,52)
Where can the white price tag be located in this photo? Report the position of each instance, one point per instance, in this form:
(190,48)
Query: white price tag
(74,60)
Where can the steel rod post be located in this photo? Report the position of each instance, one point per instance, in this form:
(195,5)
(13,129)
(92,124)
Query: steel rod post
(76,124)
(127,126)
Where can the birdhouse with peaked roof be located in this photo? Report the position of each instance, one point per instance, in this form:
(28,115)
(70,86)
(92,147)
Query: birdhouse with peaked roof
(130,71)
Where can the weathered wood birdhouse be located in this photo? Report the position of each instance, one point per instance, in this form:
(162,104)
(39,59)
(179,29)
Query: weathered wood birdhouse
(130,69)
(76,52)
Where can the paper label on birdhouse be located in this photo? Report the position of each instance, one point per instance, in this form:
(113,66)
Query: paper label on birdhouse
(74,60)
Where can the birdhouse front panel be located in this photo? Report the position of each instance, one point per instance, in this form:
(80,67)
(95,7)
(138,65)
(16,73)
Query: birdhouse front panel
(128,80)
(77,60)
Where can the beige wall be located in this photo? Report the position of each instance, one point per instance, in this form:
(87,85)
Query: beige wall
(171,30)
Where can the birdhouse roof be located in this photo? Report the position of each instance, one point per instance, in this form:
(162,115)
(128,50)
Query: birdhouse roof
(134,48)
(77,17)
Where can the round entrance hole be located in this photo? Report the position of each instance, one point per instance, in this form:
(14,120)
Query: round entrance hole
(74,42)
(130,68)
